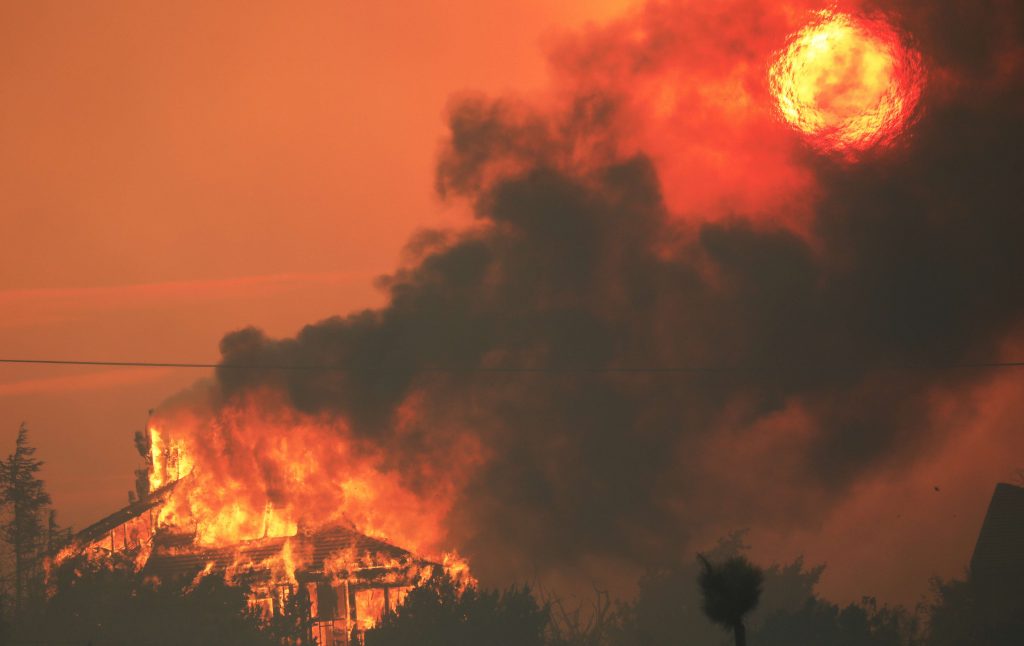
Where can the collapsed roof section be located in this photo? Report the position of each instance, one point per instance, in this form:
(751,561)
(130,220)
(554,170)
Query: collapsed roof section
(329,553)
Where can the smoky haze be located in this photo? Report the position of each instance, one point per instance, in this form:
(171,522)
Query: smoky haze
(634,375)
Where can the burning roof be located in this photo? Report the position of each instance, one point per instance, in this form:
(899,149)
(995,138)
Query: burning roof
(174,553)
(334,552)
(350,579)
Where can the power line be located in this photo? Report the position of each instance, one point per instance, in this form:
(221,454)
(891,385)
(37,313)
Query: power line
(480,369)
(141,364)
(331,368)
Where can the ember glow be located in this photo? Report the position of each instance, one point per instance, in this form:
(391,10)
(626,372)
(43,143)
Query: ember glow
(847,83)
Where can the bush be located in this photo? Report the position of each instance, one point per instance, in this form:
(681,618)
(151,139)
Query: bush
(442,613)
(109,603)
(821,622)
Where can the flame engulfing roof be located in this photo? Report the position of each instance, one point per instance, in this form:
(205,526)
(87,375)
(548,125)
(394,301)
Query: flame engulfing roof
(330,552)
(102,528)
(359,555)
(350,580)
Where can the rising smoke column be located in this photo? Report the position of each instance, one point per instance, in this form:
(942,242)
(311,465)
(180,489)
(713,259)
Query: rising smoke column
(781,362)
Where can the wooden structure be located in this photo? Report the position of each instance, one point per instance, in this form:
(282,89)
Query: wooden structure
(350,580)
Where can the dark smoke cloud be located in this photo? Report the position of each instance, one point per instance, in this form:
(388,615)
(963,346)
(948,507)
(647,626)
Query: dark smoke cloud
(824,349)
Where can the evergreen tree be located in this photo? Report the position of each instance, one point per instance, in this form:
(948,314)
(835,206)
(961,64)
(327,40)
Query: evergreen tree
(27,499)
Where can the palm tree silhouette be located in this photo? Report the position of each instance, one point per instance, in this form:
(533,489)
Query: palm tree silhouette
(731,589)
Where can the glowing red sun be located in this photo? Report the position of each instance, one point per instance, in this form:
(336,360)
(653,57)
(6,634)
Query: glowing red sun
(847,83)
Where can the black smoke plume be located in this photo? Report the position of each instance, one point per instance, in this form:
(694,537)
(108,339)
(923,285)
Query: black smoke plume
(603,350)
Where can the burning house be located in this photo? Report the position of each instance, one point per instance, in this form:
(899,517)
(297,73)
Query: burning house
(348,579)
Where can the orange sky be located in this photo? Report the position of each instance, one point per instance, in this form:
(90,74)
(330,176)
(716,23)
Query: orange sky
(172,171)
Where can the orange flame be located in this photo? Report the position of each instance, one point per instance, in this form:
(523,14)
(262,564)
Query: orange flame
(259,469)
(847,83)
(263,495)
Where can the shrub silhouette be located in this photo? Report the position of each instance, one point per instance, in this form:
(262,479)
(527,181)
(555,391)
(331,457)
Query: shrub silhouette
(730,590)
(442,613)
(109,603)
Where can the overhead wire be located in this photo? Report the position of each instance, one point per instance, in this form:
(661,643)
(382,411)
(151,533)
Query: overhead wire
(480,369)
